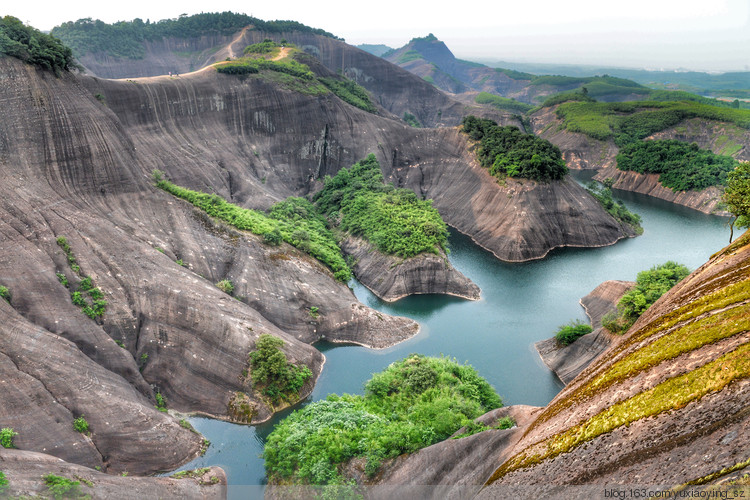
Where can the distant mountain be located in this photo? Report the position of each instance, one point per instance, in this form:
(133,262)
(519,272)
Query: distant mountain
(375,49)
(433,61)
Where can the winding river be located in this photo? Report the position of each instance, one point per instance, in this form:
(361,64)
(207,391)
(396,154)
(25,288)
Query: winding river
(521,304)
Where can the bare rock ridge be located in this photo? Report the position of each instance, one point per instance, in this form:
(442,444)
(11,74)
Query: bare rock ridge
(25,470)
(392,278)
(568,361)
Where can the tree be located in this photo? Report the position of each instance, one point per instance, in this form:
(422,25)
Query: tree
(737,197)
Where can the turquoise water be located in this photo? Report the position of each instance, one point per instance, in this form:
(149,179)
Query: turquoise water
(521,304)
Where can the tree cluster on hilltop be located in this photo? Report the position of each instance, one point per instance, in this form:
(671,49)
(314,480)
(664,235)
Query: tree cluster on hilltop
(125,39)
(32,46)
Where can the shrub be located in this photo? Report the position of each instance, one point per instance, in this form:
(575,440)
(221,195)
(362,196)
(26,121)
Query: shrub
(272,373)
(34,47)
(737,194)
(508,152)
(618,210)
(5,293)
(161,402)
(350,92)
(6,437)
(650,285)
(414,403)
(274,237)
(3,482)
(61,487)
(81,425)
(63,279)
(567,334)
(225,286)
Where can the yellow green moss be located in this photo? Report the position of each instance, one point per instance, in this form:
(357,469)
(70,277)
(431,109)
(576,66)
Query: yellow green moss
(671,394)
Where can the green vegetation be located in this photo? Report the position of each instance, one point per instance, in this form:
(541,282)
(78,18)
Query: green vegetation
(411,120)
(414,403)
(650,285)
(62,487)
(5,293)
(627,122)
(350,92)
(81,425)
(314,312)
(267,46)
(618,210)
(475,427)
(187,425)
(273,374)
(515,75)
(95,306)
(567,334)
(3,483)
(394,220)
(681,166)
(247,65)
(508,152)
(502,103)
(225,286)
(737,196)
(125,39)
(408,56)
(34,47)
(6,437)
(671,394)
(562,97)
(290,218)
(161,402)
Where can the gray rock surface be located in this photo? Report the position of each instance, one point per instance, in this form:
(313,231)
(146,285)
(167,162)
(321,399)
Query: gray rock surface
(24,471)
(392,278)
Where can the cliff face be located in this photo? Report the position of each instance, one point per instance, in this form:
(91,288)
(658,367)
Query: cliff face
(392,278)
(667,404)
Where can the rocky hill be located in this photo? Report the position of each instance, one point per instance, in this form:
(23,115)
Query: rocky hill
(77,153)
(666,404)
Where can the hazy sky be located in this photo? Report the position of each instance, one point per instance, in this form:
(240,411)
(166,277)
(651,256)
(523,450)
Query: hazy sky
(696,34)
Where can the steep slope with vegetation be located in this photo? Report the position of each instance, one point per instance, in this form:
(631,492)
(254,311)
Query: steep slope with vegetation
(666,404)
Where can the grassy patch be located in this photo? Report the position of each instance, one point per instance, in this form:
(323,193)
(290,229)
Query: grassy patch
(350,92)
(61,487)
(86,296)
(394,220)
(567,334)
(6,437)
(681,166)
(414,403)
(672,394)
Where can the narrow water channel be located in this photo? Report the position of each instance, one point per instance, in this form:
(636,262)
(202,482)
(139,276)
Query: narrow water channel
(521,304)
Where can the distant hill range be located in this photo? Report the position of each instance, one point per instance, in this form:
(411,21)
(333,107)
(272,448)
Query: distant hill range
(429,58)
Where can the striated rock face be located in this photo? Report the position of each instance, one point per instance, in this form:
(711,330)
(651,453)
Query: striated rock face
(178,55)
(666,405)
(454,468)
(24,471)
(568,361)
(392,278)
